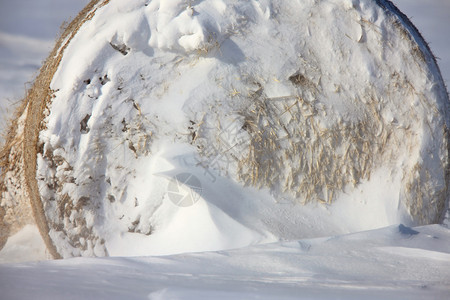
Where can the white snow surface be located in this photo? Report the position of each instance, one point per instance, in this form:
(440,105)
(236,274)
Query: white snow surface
(395,262)
(26,245)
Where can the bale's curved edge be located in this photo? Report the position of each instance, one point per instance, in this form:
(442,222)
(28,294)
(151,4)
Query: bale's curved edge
(7,162)
(33,106)
(388,6)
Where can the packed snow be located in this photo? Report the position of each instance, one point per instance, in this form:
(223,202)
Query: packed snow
(396,262)
(191,205)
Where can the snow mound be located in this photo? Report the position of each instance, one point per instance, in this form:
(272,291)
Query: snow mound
(244,110)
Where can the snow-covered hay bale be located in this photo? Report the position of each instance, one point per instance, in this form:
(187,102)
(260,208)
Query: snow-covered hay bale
(303,102)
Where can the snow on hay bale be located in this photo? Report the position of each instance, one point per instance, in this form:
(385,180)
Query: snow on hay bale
(306,100)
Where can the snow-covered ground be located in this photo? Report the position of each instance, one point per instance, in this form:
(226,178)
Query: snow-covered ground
(395,262)
(391,263)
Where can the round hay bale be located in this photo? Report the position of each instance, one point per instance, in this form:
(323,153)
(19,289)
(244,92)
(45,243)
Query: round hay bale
(309,101)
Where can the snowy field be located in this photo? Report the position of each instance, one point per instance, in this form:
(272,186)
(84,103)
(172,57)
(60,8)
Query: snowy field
(394,262)
(390,263)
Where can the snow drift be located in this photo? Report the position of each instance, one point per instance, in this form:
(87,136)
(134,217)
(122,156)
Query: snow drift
(160,127)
